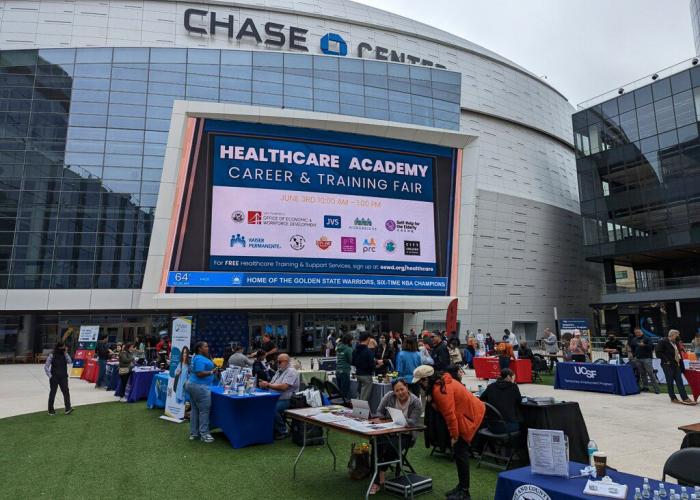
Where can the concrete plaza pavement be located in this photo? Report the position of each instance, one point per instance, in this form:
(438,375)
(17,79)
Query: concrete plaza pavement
(24,388)
(638,432)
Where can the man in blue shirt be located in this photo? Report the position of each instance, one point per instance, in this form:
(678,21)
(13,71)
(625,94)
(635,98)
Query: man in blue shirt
(201,377)
(286,382)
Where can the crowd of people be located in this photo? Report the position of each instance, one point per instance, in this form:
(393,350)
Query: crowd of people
(426,370)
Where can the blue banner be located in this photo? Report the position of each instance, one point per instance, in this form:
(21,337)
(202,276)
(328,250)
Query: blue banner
(204,279)
(240,263)
(306,166)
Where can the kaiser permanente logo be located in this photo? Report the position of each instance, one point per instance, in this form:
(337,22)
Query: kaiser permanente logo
(208,23)
(238,240)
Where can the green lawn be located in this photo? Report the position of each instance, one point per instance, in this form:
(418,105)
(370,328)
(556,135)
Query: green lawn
(116,450)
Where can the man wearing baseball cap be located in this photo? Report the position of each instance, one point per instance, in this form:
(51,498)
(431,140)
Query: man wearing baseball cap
(463,414)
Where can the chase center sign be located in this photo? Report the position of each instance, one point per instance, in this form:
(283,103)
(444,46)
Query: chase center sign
(207,23)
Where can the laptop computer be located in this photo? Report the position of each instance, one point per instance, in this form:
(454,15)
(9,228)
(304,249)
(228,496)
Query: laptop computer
(360,409)
(397,417)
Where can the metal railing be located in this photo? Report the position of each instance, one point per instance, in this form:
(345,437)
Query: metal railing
(640,82)
(657,284)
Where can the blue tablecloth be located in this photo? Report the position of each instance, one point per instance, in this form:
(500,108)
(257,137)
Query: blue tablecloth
(158,392)
(559,488)
(138,385)
(245,420)
(112,376)
(596,377)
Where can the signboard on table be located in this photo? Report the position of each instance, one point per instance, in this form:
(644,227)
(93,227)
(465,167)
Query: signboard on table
(179,368)
(570,325)
(87,343)
(299,210)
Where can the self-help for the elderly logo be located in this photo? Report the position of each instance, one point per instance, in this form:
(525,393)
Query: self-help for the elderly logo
(586,372)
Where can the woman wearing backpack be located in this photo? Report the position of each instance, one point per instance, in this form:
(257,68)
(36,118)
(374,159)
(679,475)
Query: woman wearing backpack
(56,368)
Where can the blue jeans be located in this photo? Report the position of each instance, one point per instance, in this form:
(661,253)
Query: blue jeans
(282,406)
(102,366)
(200,399)
(343,380)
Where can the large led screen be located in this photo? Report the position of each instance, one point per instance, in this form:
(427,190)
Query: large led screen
(284,209)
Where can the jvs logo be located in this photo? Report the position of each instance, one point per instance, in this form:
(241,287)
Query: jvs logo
(332,221)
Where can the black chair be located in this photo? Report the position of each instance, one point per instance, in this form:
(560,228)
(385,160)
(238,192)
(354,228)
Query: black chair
(404,458)
(683,466)
(333,394)
(500,446)
(691,440)
(539,366)
(317,384)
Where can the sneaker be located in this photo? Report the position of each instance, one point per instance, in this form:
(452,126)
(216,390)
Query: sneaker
(460,495)
(452,491)
(194,437)
(69,411)
(207,439)
(52,413)
(122,400)
(688,402)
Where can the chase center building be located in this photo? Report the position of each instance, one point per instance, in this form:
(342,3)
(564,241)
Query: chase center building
(296,168)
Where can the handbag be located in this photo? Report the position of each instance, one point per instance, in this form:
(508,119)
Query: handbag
(124,371)
(359,464)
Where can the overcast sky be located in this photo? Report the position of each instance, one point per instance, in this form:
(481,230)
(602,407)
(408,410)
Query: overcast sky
(584,47)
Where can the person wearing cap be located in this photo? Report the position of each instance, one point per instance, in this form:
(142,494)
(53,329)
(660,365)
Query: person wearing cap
(578,350)
(667,351)
(238,358)
(463,413)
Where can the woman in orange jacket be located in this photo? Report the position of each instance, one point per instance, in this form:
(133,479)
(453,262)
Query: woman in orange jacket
(504,351)
(463,413)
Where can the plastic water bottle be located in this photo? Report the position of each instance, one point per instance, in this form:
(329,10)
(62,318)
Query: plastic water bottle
(684,493)
(592,448)
(672,494)
(637,494)
(662,491)
(646,491)
(656,495)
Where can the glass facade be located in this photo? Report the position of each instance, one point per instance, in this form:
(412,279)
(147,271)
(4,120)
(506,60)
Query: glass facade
(638,163)
(83,134)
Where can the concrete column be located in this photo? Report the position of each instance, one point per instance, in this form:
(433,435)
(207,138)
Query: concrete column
(25,339)
(296,334)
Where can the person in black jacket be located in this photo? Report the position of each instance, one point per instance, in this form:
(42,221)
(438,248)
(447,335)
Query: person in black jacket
(259,369)
(364,363)
(56,369)
(505,396)
(385,353)
(440,354)
(671,360)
